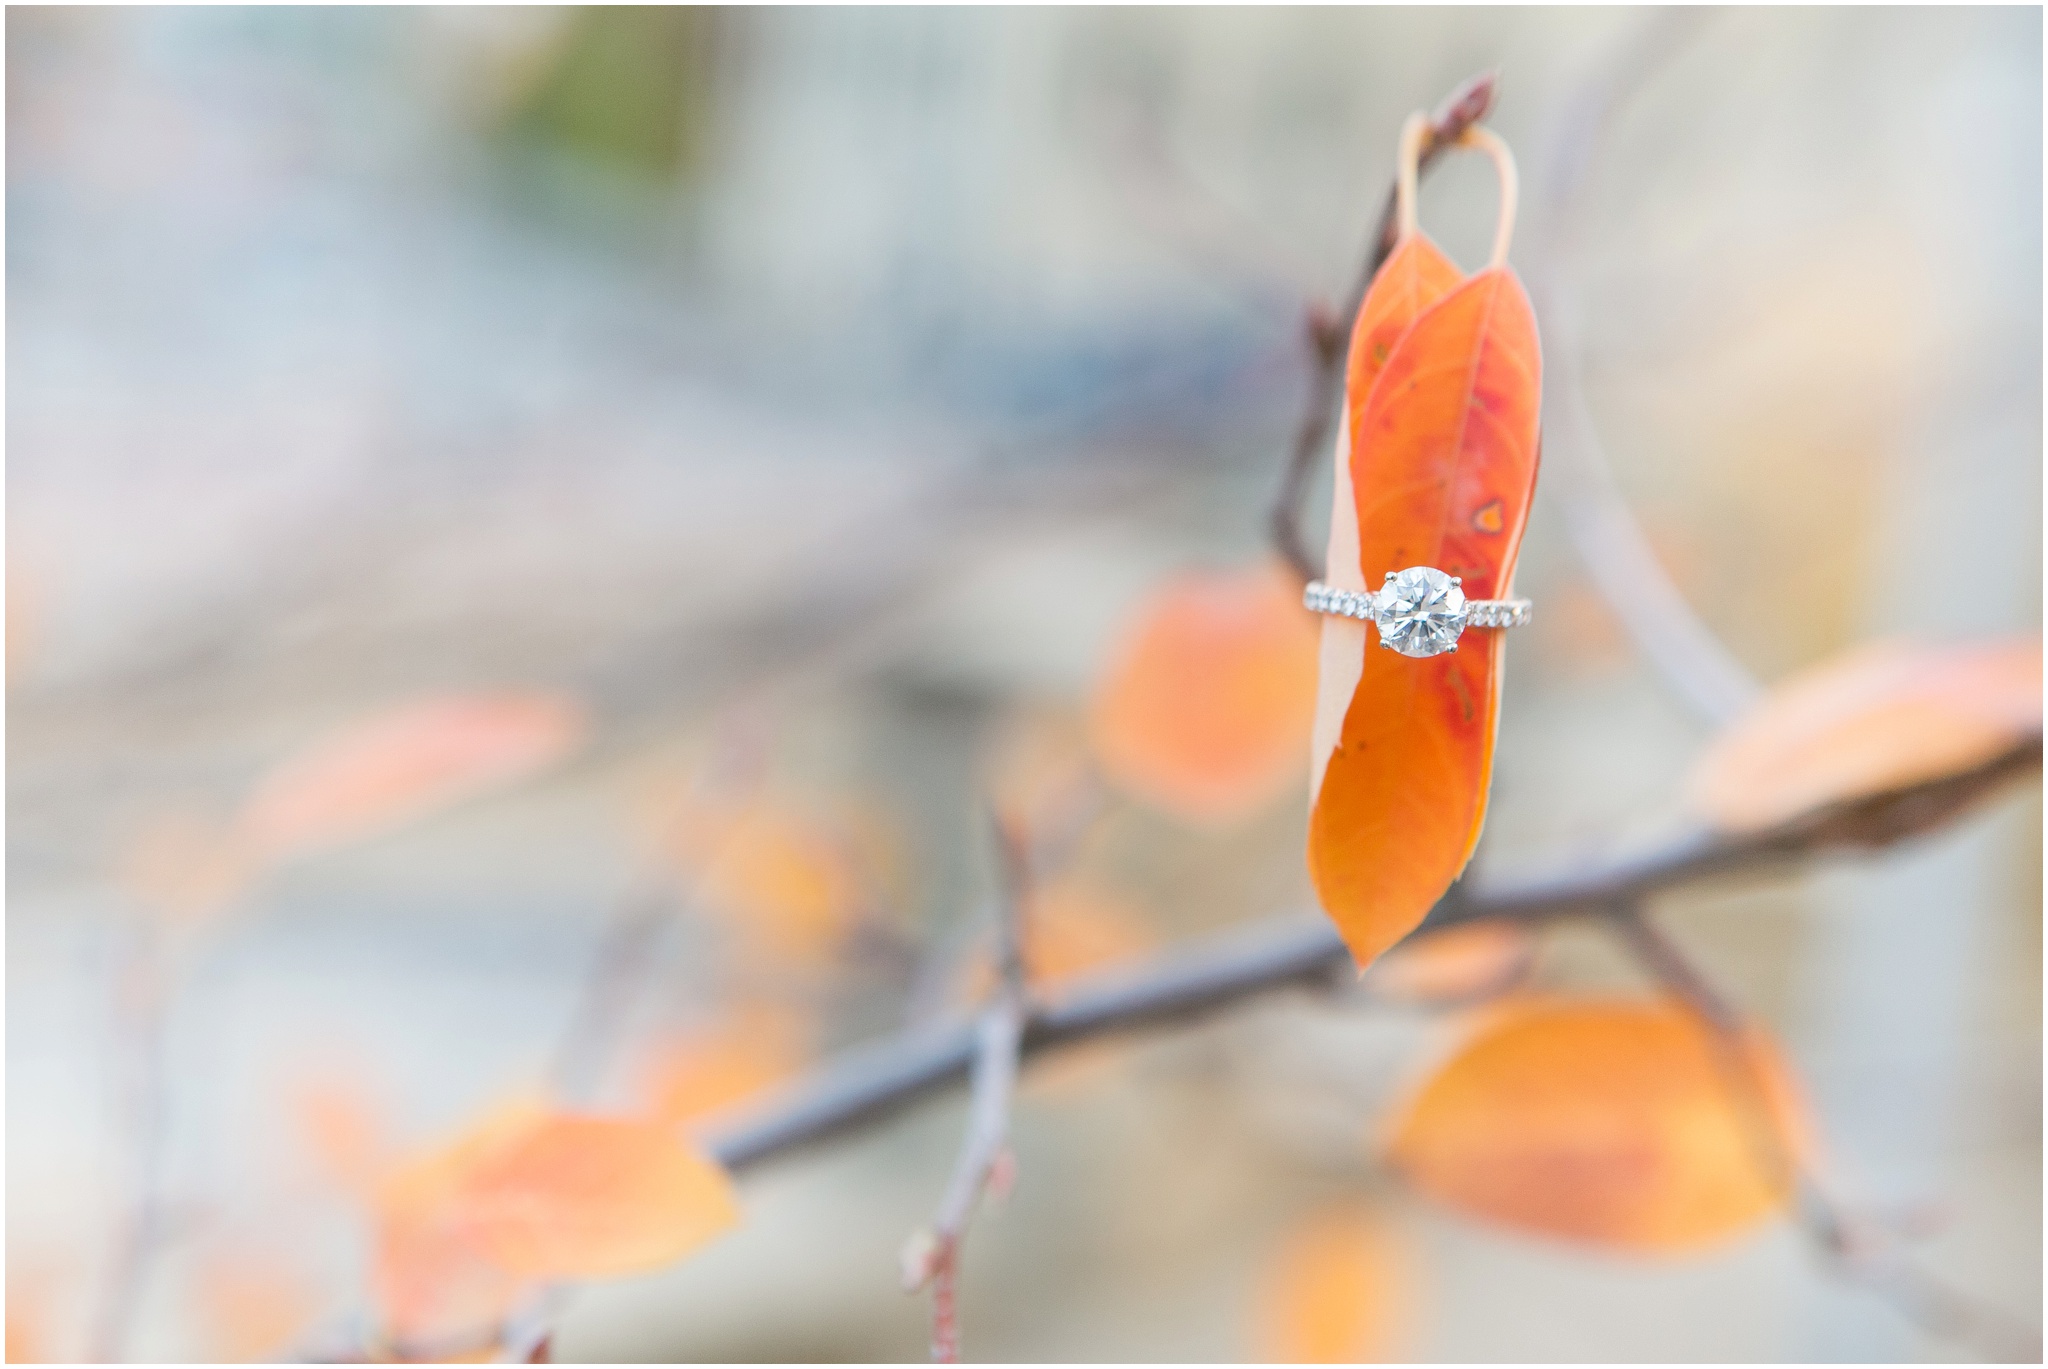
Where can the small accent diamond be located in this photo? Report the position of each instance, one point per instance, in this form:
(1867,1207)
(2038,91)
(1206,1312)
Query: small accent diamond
(1420,612)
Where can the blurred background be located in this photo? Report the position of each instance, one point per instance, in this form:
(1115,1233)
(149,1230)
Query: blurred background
(806,400)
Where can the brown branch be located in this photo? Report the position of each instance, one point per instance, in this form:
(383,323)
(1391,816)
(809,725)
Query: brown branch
(1329,335)
(933,1255)
(1856,1247)
(1290,951)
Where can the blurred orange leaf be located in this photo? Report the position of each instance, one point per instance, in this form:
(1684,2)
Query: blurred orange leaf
(784,879)
(705,1074)
(1071,927)
(1206,711)
(1074,927)
(531,1196)
(1882,717)
(1040,774)
(24,623)
(28,1340)
(253,1308)
(24,1336)
(186,866)
(1618,1123)
(344,1129)
(1461,963)
(1438,460)
(1335,1293)
(403,763)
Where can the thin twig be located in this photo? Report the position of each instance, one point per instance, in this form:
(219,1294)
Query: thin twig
(1174,203)
(1329,334)
(617,975)
(1854,1246)
(1579,479)
(1288,951)
(933,1255)
(142,990)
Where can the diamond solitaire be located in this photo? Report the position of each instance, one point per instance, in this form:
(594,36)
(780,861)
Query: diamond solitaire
(1419,611)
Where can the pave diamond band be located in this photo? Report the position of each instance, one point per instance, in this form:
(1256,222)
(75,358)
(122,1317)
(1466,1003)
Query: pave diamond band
(1344,603)
(1419,611)
(1498,612)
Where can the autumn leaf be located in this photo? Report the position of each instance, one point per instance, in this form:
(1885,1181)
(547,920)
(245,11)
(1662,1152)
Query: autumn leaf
(530,1196)
(705,1074)
(342,1127)
(29,1295)
(1456,965)
(1335,1292)
(1414,277)
(1884,716)
(24,624)
(1040,776)
(1206,711)
(253,1307)
(24,1336)
(404,763)
(1071,928)
(1618,1123)
(783,879)
(1439,458)
(186,867)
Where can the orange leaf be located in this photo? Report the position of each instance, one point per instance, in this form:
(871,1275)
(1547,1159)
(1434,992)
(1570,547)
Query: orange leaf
(254,1309)
(1334,1293)
(1040,774)
(1206,713)
(24,1336)
(42,1325)
(706,1074)
(1885,716)
(1612,1122)
(28,1328)
(1413,278)
(1070,928)
(24,623)
(1073,928)
(406,762)
(186,866)
(343,1127)
(1441,458)
(783,879)
(1416,276)
(532,1196)
(1462,963)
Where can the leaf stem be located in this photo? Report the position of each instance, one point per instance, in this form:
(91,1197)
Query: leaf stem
(1407,172)
(1483,139)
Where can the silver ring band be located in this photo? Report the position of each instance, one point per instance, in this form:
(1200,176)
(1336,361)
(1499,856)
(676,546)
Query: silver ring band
(1419,611)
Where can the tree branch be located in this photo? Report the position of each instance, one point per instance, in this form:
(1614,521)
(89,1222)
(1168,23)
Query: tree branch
(1329,335)
(874,1081)
(1860,1249)
(933,1255)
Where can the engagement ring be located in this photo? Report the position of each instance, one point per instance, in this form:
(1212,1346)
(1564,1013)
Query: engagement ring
(1419,611)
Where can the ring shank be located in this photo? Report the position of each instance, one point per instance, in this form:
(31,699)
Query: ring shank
(1480,613)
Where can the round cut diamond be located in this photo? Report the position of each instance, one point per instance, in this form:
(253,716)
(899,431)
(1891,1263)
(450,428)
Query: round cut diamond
(1420,612)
